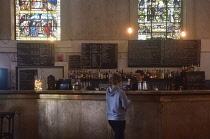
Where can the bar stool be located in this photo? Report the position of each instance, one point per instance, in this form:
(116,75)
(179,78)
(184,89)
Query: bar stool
(7,125)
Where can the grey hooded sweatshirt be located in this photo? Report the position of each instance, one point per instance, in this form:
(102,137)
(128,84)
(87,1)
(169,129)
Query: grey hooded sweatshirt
(116,104)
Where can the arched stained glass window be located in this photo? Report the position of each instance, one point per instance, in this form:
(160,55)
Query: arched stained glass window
(159,19)
(37,19)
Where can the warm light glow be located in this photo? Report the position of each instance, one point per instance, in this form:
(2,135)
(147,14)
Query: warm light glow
(52,39)
(38,85)
(183,34)
(130,30)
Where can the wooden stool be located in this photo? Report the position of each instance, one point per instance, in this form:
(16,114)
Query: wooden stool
(7,125)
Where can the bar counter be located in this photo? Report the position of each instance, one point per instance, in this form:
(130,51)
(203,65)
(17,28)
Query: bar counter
(66,114)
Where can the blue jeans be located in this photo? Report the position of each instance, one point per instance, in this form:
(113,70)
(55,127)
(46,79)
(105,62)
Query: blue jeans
(118,127)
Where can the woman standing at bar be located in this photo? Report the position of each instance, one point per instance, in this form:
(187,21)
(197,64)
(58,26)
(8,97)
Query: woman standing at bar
(116,106)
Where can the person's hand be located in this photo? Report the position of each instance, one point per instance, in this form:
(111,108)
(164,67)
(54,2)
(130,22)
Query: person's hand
(129,101)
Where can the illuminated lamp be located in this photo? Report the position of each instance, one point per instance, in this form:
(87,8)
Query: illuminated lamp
(130,30)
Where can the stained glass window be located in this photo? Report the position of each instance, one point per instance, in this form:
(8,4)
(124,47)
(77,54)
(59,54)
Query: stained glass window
(37,19)
(159,19)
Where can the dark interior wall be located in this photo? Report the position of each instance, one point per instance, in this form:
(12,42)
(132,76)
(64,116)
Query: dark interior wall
(202,20)
(94,19)
(197,19)
(5,20)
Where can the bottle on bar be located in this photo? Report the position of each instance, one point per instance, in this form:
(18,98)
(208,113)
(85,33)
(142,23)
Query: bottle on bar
(125,76)
(71,75)
(147,74)
(104,75)
(99,74)
(78,75)
(130,75)
(151,74)
(92,75)
(86,75)
(128,84)
(74,74)
(81,74)
(89,75)
(162,75)
(110,74)
(107,75)
(155,75)
(122,75)
(96,75)
(144,85)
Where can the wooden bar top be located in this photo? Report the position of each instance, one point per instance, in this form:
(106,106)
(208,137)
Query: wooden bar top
(92,92)
(135,96)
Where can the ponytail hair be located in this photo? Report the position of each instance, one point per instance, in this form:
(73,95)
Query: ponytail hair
(115,78)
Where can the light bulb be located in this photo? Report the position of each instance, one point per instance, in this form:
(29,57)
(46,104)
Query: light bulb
(130,30)
(183,34)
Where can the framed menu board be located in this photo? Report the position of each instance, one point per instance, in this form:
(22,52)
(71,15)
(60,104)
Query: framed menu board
(99,55)
(35,54)
(74,62)
(182,52)
(144,53)
(159,53)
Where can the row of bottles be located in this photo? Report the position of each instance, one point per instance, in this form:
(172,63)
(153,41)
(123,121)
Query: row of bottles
(153,74)
(90,74)
(161,74)
(191,68)
(84,74)
(148,74)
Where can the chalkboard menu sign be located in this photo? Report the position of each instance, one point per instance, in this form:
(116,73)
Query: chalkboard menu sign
(74,62)
(159,53)
(35,54)
(99,55)
(193,80)
(144,53)
(183,52)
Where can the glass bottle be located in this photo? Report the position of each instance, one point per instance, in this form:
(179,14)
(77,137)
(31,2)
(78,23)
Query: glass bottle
(128,84)
(104,75)
(99,74)
(144,85)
